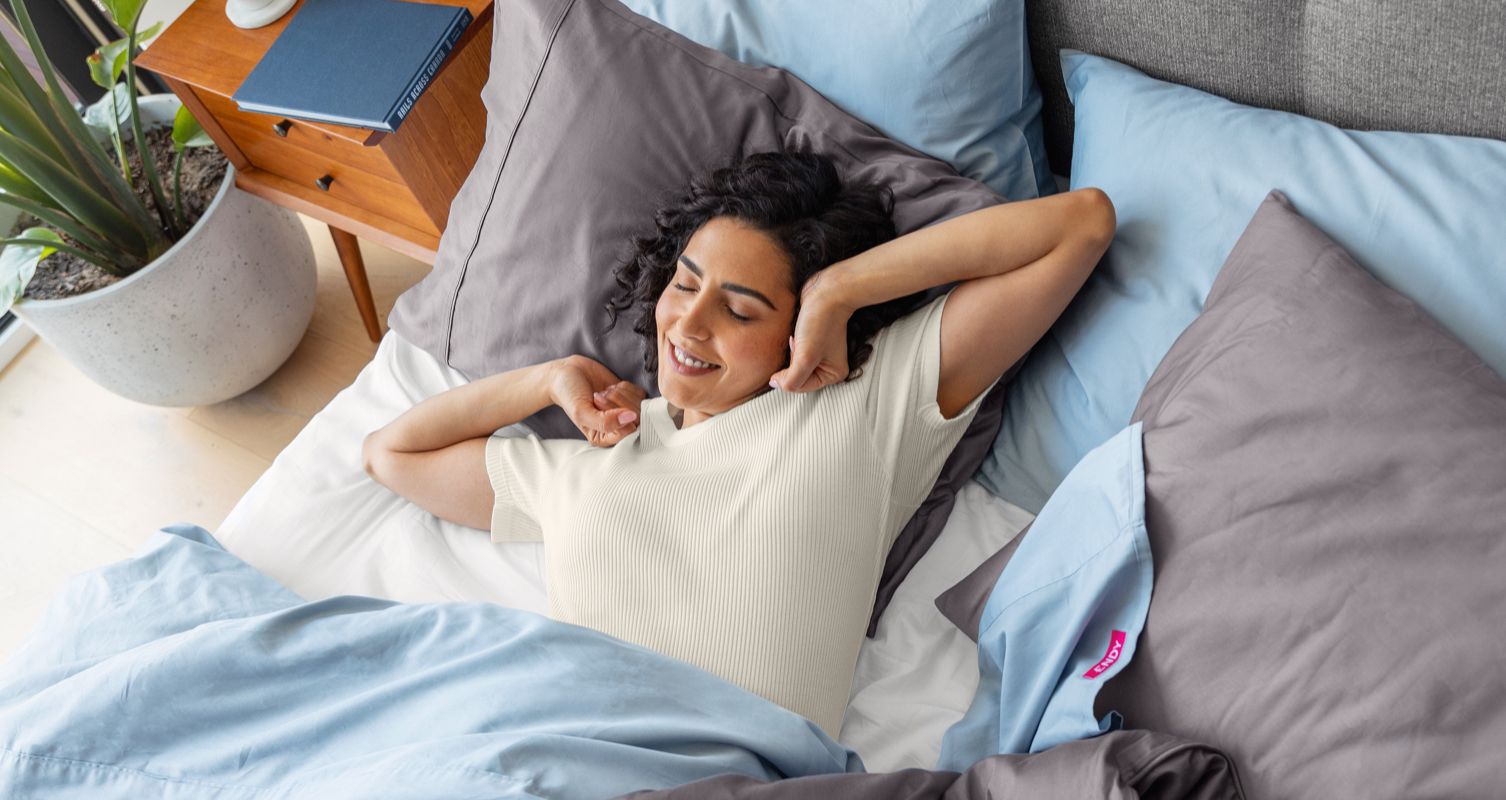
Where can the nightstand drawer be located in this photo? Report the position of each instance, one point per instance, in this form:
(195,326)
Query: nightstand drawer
(361,176)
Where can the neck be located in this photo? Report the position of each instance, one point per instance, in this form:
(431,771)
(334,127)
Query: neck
(680,417)
(684,419)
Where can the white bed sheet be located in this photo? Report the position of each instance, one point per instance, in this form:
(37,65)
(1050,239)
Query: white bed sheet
(318,524)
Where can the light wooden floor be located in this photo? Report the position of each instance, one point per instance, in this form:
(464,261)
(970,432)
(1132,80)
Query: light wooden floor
(86,476)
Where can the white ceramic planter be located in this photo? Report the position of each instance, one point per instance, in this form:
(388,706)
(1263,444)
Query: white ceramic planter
(212,317)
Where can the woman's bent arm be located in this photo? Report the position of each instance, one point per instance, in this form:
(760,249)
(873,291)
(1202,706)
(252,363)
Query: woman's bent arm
(435,453)
(473,410)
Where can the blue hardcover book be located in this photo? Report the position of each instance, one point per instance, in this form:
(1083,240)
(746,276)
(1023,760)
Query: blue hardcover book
(353,62)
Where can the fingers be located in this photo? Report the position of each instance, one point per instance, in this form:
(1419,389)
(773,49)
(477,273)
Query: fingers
(610,420)
(793,377)
(606,430)
(622,394)
(605,415)
(817,377)
(615,418)
(611,415)
(810,384)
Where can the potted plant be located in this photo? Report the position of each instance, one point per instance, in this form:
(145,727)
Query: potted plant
(191,306)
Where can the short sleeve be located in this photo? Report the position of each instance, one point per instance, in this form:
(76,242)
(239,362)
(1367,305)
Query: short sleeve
(911,436)
(521,470)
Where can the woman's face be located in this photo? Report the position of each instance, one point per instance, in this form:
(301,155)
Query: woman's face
(729,304)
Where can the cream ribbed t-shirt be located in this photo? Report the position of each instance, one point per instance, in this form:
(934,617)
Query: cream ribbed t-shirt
(749,544)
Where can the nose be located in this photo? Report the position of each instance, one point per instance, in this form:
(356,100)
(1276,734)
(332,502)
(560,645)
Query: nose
(693,318)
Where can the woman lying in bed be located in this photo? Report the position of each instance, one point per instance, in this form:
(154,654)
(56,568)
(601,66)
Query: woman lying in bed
(741,524)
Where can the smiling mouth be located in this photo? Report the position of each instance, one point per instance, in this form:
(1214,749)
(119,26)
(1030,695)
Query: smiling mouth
(683,368)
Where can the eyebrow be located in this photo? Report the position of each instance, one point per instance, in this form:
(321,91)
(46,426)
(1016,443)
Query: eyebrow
(731,287)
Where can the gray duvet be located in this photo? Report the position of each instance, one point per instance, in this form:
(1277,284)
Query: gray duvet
(1326,502)
(1115,766)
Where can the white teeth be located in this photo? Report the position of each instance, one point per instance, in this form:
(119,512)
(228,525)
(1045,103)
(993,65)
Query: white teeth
(688,361)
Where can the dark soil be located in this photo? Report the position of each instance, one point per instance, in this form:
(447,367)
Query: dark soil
(65,275)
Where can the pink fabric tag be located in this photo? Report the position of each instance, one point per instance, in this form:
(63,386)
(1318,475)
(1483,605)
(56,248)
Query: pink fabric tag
(1116,646)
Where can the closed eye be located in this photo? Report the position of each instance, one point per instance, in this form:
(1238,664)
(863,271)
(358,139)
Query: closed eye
(735,315)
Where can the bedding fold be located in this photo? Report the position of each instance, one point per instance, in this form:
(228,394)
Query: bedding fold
(1123,765)
(1064,614)
(184,671)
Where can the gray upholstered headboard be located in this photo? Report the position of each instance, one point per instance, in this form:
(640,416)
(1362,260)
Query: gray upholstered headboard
(1436,66)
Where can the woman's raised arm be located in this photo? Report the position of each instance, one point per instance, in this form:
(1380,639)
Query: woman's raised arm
(1019,265)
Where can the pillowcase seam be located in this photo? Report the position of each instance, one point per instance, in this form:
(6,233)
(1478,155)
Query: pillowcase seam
(671,41)
(465,267)
(831,143)
(985,624)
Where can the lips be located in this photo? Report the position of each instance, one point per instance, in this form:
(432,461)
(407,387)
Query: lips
(693,354)
(685,369)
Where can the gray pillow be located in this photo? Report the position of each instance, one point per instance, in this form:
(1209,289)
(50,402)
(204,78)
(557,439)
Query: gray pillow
(1326,502)
(963,603)
(595,115)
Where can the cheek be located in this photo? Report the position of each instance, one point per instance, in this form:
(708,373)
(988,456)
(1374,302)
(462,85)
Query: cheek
(767,352)
(661,312)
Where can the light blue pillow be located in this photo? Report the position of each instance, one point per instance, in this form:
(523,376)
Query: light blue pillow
(952,80)
(1426,214)
(1064,615)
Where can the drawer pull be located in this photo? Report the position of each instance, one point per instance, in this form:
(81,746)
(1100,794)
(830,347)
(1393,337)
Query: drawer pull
(282,127)
(324,182)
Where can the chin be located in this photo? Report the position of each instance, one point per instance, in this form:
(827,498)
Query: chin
(673,391)
(670,388)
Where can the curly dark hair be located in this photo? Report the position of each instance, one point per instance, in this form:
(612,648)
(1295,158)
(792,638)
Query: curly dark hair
(797,198)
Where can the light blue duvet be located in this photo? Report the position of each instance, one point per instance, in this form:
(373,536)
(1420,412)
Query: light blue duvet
(184,672)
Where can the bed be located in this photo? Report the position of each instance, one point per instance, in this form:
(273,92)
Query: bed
(914,678)
(1057,516)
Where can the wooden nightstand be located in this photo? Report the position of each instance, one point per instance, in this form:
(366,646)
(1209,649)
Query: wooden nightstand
(391,188)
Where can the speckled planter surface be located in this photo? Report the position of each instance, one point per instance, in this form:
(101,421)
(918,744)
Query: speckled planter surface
(212,317)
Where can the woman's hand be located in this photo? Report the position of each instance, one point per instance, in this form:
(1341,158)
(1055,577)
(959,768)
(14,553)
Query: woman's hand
(818,350)
(603,407)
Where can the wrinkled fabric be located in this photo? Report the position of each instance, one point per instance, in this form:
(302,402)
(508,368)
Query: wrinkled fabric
(1324,465)
(183,672)
(596,117)
(1064,614)
(1123,765)
(1186,170)
(986,121)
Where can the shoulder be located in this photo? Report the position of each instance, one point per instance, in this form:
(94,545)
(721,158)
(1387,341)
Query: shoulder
(513,447)
(900,340)
(913,324)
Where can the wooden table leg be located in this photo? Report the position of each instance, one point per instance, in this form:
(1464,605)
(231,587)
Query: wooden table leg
(355,272)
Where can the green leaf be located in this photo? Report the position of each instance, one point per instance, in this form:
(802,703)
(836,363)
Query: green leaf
(101,252)
(66,248)
(159,194)
(83,153)
(99,67)
(74,196)
(142,36)
(187,132)
(18,262)
(18,119)
(110,117)
(14,182)
(106,63)
(124,12)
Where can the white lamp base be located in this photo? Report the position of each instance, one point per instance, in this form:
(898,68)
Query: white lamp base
(256,13)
